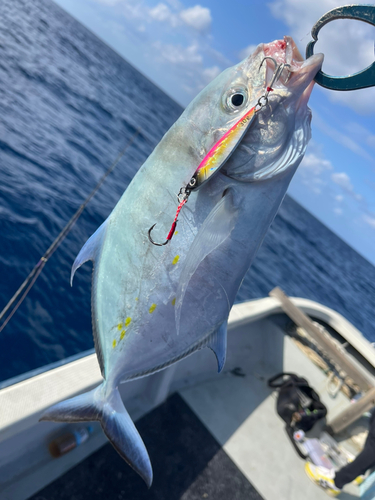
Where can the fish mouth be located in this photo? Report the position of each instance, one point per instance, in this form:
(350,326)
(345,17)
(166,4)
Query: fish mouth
(291,92)
(298,77)
(294,85)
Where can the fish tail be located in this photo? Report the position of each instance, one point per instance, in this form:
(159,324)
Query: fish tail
(117,425)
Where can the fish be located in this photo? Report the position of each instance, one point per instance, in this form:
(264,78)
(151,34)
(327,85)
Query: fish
(152,306)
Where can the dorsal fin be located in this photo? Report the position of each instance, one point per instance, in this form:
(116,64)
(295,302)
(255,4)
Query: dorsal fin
(90,249)
(218,344)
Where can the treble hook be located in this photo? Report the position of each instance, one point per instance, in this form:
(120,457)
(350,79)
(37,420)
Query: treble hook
(279,68)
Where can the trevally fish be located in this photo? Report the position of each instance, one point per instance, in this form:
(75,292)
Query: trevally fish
(237,145)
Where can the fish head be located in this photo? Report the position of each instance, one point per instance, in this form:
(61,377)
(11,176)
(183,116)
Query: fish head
(276,136)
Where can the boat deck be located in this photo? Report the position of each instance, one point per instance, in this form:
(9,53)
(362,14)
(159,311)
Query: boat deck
(216,436)
(219,439)
(188,463)
(240,413)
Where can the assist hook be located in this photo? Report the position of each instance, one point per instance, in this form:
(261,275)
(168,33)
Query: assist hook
(154,242)
(183,197)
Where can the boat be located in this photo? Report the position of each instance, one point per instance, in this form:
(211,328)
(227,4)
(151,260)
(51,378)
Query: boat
(247,453)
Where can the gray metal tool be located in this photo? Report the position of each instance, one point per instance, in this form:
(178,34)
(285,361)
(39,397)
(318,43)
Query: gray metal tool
(361,80)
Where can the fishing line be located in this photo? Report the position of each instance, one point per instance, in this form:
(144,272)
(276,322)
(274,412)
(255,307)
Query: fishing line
(33,275)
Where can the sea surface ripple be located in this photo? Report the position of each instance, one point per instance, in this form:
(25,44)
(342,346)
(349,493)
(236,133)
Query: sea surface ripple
(68,106)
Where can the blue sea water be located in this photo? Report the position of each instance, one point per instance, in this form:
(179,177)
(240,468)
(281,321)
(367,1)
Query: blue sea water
(68,106)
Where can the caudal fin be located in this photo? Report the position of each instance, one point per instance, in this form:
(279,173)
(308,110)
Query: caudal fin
(115,421)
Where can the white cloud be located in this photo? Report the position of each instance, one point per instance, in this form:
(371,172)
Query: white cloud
(190,63)
(130,9)
(337,210)
(178,55)
(369,219)
(347,45)
(313,169)
(161,12)
(246,52)
(315,164)
(189,90)
(343,180)
(170,40)
(210,74)
(175,4)
(314,174)
(315,189)
(197,17)
(109,2)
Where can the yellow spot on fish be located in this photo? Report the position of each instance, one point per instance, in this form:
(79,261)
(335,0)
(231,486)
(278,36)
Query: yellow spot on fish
(114,343)
(136,298)
(175,260)
(119,326)
(127,321)
(122,334)
(152,308)
(176,232)
(174,301)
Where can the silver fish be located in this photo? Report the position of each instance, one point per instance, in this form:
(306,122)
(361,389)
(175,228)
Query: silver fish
(152,305)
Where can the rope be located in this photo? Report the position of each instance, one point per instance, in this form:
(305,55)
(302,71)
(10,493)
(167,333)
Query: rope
(320,359)
(174,223)
(33,275)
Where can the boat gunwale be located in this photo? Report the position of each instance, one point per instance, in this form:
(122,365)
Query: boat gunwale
(24,401)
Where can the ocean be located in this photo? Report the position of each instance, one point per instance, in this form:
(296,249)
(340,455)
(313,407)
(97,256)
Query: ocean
(68,105)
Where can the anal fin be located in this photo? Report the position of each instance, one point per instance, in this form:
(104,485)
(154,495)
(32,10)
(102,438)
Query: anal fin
(218,344)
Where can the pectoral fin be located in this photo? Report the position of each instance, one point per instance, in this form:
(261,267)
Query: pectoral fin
(213,232)
(90,249)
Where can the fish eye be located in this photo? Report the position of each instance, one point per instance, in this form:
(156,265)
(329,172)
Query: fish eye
(237,99)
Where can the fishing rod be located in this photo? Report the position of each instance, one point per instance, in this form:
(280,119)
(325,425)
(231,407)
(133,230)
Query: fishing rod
(26,286)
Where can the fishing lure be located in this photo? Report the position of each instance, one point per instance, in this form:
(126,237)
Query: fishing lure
(221,151)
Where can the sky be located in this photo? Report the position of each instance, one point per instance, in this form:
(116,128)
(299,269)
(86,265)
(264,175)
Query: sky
(182,45)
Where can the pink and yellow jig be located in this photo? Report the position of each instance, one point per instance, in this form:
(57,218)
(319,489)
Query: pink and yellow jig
(223,148)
